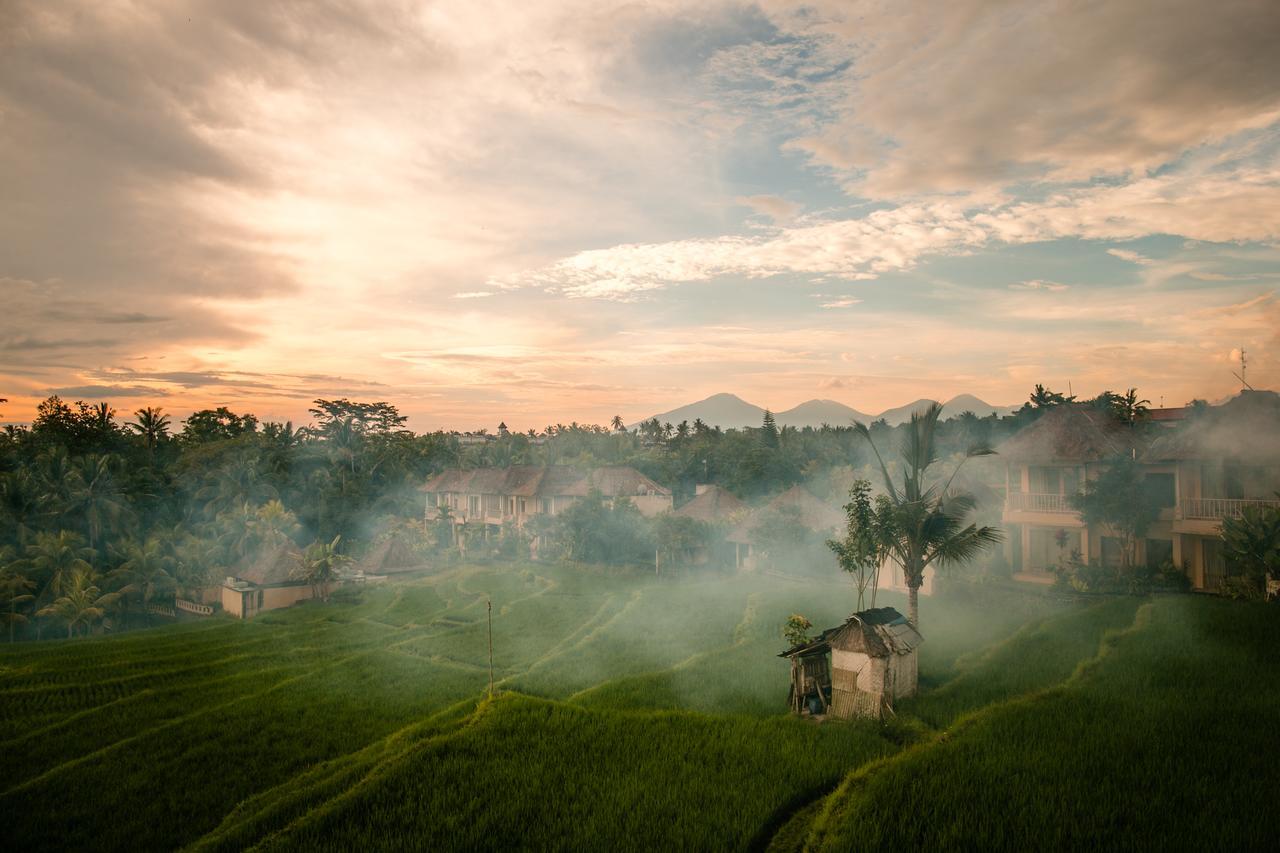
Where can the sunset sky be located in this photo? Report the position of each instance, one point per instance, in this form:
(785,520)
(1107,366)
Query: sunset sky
(554,211)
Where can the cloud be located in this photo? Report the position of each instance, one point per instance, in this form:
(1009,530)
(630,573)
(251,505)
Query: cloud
(846,302)
(853,249)
(1130,256)
(775,207)
(473,294)
(1201,206)
(96,392)
(975,95)
(1037,284)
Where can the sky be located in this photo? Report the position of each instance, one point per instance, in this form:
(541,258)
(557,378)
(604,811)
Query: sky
(560,211)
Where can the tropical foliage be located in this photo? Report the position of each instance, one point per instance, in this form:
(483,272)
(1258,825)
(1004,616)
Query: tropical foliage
(922,519)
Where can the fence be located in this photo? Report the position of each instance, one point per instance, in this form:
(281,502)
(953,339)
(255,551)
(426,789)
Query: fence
(192,607)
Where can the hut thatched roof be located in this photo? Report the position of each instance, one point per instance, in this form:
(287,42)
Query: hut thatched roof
(1245,428)
(272,566)
(714,506)
(878,632)
(1070,434)
(389,556)
(798,501)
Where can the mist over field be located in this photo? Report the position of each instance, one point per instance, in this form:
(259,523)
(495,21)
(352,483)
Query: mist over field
(714,425)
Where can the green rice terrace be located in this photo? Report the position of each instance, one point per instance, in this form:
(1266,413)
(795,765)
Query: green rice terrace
(638,714)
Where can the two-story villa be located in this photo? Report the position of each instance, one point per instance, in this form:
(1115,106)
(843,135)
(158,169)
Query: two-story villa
(1047,464)
(1225,459)
(493,496)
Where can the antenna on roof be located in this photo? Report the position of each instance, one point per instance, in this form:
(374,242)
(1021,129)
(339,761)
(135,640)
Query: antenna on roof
(1244,365)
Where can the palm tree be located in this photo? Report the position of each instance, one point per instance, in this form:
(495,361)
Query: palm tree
(23,503)
(320,563)
(82,604)
(145,573)
(1129,408)
(237,482)
(239,531)
(14,592)
(618,424)
(923,522)
(56,557)
(274,525)
(95,494)
(152,425)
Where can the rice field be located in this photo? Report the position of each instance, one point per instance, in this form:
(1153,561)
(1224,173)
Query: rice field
(630,713)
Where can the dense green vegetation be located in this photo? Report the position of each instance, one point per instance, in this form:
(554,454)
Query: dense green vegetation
(631,712)
(106,516)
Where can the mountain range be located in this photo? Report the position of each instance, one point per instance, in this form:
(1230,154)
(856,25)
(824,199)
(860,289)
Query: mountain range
(729,411)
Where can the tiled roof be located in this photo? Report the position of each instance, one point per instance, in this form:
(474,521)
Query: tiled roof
(549,481)
(1244,428)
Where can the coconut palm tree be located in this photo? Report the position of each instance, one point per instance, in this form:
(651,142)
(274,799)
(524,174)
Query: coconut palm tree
(81,604)
(237,482)
(152,424)
(274,526)
(15,592)
(923,522)
(146,573)
(23,503)
(618,424)
(55,557)
(95,495)
(320,563)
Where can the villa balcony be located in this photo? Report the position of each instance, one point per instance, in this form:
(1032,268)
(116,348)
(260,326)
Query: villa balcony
(1032,502)
(1219,508)
(1203,516)
(1040,508)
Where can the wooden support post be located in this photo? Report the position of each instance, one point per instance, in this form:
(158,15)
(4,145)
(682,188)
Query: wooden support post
(489,608)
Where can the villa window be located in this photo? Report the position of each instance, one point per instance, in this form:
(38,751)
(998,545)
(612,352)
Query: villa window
(1161,489)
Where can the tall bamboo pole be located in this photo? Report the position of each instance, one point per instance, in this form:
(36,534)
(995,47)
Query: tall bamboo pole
(489,609)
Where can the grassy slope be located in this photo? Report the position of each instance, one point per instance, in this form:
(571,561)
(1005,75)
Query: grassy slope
(1166,739)
(531,773)
(341,726)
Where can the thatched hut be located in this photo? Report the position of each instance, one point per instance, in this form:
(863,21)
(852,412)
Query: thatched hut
(797,503)
(856,669)
(391,556)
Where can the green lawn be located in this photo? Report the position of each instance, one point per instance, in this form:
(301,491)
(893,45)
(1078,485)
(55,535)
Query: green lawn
(632,713)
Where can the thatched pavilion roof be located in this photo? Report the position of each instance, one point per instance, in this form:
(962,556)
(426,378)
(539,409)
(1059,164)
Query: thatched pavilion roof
(272,566)
(714,506)
(1070,434)
(390,556)
(808,510)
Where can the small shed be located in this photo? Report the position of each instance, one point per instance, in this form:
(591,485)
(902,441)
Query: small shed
(856,669)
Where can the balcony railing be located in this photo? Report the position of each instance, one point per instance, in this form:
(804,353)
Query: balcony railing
(1215,508)
(1032,502)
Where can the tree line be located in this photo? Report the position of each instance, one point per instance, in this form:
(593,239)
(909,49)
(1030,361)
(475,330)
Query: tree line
(108,513)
